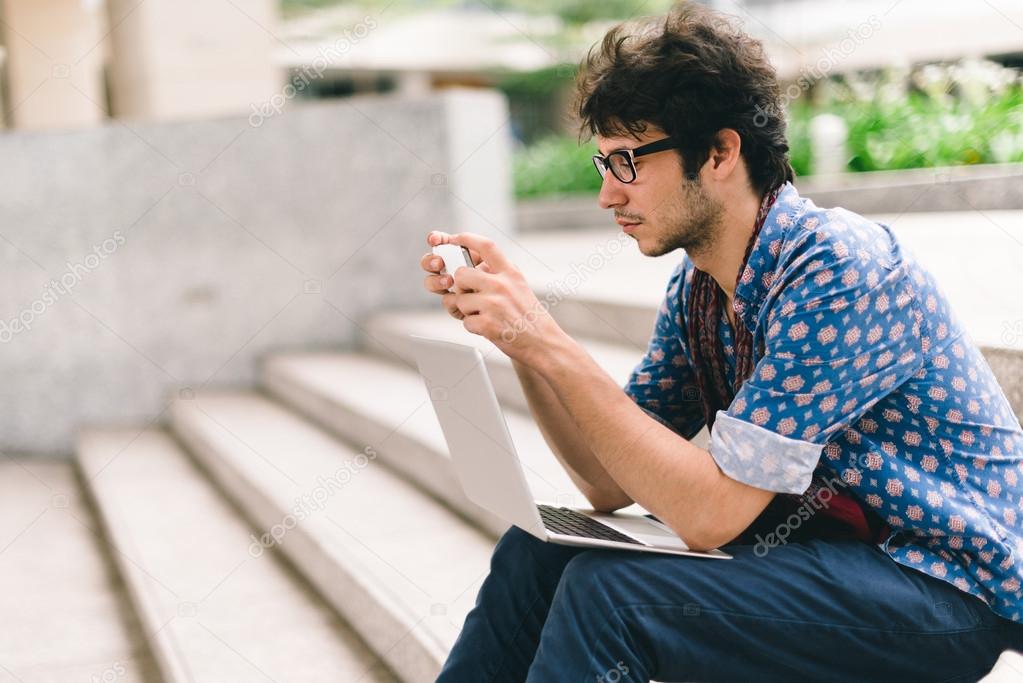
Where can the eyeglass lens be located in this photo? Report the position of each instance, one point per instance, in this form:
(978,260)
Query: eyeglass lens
(619,164)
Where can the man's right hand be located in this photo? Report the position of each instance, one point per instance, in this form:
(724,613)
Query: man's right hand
(436,283)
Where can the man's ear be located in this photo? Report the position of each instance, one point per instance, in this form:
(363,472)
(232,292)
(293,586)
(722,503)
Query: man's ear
(725,153)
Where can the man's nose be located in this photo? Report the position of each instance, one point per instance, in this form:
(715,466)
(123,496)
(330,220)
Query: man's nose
(612,192)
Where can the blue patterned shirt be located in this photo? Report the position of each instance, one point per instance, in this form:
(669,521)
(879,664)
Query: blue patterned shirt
(868,378)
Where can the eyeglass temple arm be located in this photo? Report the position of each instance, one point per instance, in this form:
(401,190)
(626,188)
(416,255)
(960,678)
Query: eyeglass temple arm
(658,146)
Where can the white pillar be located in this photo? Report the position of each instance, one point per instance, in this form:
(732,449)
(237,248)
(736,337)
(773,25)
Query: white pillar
(54,64)
(413,83)
(173,59)
(828,138)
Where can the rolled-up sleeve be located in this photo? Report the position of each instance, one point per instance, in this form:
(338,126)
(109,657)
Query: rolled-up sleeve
(663,383)
(762,458)
(841,335)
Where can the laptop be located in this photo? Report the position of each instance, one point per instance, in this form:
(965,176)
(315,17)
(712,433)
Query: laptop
(492,476)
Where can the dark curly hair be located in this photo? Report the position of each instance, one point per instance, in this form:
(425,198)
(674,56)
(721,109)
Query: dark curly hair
(691,73)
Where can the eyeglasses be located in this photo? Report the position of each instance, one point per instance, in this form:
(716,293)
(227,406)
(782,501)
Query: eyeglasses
(622,161)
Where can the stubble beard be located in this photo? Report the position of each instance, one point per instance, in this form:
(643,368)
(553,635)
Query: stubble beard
(692,222)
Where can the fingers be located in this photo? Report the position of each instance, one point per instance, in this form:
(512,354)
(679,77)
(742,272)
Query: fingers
(462,304)
(437,284)
(472,279)
(451,308)
(484,246)
(440,284)
(477,259)
(435,237)
(431,263)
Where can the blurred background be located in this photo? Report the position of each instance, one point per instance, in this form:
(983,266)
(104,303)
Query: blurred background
(220,462)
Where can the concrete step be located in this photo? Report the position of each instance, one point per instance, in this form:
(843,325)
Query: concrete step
(597,283)
(387,335)
(401,568)
(614,296)
(54,563)
(211,609)
(1008,669)
(365,400)
(979,282)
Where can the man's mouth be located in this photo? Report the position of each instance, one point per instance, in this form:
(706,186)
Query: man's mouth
(627,226)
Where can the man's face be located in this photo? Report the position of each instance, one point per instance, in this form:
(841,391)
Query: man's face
(660,209)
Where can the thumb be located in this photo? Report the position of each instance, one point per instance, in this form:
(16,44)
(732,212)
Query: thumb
(485,247)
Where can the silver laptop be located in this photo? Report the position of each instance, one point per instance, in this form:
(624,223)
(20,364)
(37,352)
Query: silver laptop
(492,476)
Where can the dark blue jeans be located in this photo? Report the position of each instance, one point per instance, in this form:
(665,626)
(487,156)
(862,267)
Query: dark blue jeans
(816,610)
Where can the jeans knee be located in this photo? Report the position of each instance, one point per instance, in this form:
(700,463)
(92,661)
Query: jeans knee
(594,564)
(588,574)
(514,543)
(519,553)
(606,580)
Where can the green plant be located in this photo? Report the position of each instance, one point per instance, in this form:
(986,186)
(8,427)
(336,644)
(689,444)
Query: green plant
(939,115)
(555,165)
(923,132)
(798,134)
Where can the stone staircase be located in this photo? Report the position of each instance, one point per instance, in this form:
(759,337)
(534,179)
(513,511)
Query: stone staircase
(310,529)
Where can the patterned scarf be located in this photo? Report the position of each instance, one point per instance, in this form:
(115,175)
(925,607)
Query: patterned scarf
(705,345)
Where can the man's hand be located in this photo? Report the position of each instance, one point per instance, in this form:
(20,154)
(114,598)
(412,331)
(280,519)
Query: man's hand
(493,300)
(436,283)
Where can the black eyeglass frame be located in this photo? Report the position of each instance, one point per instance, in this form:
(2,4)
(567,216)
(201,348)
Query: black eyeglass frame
(603,165)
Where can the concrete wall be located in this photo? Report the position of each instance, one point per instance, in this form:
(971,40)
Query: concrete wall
(136,261)
(961,188)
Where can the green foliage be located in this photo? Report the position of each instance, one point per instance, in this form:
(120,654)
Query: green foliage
(922,132)
(570,11)
(535,84)
(582,11)
(798,133)
(290,7)
(555,165)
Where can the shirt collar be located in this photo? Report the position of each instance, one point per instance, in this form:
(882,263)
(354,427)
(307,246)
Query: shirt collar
(761,266)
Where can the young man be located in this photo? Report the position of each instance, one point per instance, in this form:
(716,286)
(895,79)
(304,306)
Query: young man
(864,467)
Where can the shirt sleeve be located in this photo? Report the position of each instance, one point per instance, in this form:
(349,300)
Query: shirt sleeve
(663,383)
(841,334)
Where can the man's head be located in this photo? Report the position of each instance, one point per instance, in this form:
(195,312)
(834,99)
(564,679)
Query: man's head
(697,79)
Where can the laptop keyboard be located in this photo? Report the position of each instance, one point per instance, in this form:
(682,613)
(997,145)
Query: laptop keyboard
(571,523)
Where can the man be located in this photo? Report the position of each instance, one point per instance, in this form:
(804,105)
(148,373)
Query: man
(864,467)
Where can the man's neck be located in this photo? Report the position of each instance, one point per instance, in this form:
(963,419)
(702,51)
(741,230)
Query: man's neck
(724,257)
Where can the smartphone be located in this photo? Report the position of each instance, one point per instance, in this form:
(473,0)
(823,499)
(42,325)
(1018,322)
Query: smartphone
(454,257)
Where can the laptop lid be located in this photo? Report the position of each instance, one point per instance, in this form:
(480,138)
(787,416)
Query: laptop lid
(474,427)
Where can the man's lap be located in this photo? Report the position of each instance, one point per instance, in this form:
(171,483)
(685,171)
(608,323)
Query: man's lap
(826,583)
(842,604)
